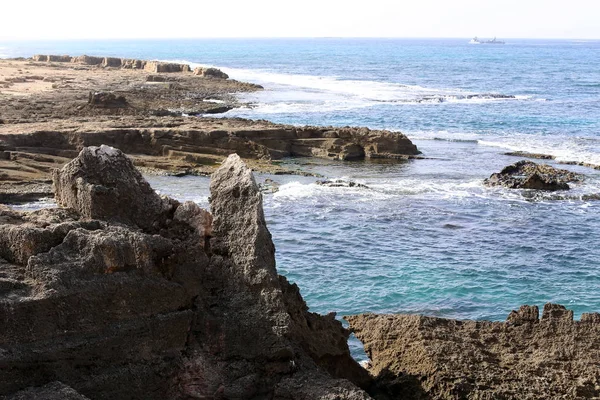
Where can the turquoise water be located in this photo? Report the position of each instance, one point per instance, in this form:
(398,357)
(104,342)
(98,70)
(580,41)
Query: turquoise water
(426,236)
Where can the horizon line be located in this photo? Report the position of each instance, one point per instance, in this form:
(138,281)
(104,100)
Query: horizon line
(2,39)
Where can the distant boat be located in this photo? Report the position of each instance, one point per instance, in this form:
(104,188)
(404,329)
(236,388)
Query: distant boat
(476,40)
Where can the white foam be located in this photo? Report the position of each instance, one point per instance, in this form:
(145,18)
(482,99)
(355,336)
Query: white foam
(299,93)
(563,149)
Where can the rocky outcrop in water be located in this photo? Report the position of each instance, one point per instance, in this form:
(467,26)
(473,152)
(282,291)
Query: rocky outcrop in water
(340,183)
(529,175)
(418,357)
(129,295)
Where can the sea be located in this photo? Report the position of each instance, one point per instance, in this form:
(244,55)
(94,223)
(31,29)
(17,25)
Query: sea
(424,236)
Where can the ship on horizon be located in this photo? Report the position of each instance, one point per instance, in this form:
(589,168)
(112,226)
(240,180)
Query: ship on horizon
(476,40)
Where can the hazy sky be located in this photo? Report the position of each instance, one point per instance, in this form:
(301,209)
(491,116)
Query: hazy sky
(72,19)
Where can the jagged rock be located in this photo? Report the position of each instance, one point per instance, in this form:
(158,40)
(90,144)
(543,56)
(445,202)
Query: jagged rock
(102,183)
(22,236)
(197,217)
(210,73)
(416,357)
(241,234)
(556,312)
(119,312)
(340,183)
(529,175)
(525,315)
(106,100)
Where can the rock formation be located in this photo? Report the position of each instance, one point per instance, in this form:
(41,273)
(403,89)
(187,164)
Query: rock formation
(88,60)
(155,67)
(129,295)
(529,175)
(106,100)
(418,357)
(127,63)
(186,146)
(340,183)
(210,73)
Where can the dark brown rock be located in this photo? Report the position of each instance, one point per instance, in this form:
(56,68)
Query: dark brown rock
(210,73)
(418,357)
(340,183)
(106,100)
(529,175)
(102,183)
(51,391)
(556,312)
(162,312)
(525,314)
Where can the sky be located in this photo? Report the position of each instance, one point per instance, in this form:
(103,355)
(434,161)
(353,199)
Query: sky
(112,19)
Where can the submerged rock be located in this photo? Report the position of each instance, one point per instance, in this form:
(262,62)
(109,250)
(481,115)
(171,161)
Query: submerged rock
(416,357)
(269,186)
(340,183)
(127,295)
(529,175)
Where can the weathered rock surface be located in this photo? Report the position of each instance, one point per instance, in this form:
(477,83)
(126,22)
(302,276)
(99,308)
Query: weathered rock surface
(106,100)
(127,295)
(529,175)
(47,119)
(210,73)
(156,66)
(182,146)
(418,357)
(102,183)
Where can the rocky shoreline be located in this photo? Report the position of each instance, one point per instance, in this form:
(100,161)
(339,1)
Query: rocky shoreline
(53,106)
(420,357)
(124,294)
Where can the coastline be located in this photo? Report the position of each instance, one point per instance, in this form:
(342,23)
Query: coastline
(52,109)
(177,145)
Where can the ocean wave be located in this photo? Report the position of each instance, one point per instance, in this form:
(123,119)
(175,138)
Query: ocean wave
(579,150)
(565,149)
(368,90)
(298,93)
(446,136)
